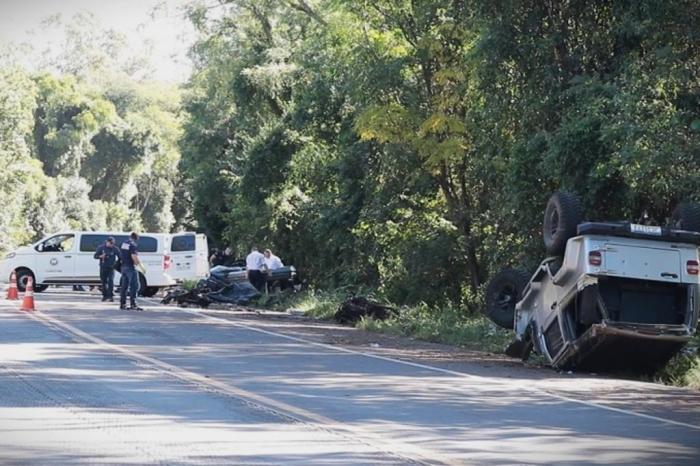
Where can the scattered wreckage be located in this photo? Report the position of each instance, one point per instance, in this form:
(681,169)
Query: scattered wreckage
(612,296)
(229,285)
(356,307)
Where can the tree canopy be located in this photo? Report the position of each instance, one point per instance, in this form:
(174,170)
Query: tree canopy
(411,146)
(87,142)
(405,146)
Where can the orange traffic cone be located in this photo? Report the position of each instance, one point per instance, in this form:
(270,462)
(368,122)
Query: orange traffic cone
(28,301)
(12,290)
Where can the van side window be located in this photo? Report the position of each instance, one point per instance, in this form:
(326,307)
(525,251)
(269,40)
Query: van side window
(183,243)
(89,243)
(148,244)
(58,243)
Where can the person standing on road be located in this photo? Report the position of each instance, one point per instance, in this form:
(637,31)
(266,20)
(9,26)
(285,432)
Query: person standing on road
(254,264)
(107,254)
(272,262)
(130,279)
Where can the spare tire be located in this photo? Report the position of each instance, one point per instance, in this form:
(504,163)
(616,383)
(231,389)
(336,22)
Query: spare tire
(561,217)
(686,216)
(503,292)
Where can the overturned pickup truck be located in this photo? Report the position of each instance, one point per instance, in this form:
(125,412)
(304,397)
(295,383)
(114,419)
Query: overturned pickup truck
(614,296)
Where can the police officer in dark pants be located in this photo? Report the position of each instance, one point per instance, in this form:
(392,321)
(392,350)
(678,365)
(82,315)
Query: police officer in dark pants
(107,254)
(130,278)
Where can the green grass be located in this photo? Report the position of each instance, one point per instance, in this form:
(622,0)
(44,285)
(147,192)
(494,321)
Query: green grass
(444,325)
(317,304)
(189,284)
(450,325)
(684,369)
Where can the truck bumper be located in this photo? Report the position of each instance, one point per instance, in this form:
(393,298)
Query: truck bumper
(624,347)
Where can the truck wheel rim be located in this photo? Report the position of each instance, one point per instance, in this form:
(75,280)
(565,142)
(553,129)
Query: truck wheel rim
(505,298)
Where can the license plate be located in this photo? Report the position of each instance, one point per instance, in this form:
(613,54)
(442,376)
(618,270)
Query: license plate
(645,229)
(182,266)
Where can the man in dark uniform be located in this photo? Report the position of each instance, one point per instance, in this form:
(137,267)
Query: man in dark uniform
(107,254)
(130,278)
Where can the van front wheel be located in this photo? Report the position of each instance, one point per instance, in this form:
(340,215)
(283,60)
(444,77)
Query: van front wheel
(23,276)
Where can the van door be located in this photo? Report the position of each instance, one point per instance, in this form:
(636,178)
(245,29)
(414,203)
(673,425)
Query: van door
(87,268)
(183,258)
(202,256)
(55,260)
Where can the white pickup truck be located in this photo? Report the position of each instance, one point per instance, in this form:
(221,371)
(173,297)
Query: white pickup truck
(622,297)
(67,258)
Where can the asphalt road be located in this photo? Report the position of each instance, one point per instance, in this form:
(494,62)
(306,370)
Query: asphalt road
(84,383)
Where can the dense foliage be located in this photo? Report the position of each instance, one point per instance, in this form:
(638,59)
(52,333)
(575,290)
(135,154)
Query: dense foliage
(84,144)
(410,146)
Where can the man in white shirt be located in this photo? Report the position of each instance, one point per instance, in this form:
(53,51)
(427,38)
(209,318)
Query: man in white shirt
(254,264)
(271,261)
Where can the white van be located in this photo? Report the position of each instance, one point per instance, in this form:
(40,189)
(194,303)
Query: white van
(188,253)
(68,259)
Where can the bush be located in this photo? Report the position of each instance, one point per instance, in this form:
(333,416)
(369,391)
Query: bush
(316,304)
(448,325)
(684,369)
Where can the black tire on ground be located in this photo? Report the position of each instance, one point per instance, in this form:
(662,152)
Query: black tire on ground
(150,291)
(686,216)
(503,292)
(22,277)
(561,217)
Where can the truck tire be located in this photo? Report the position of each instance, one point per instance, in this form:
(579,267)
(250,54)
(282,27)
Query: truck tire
(561,217)
(503,292)
(686,216)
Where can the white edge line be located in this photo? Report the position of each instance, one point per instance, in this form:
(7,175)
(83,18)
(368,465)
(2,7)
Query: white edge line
(590,404)
(395,448)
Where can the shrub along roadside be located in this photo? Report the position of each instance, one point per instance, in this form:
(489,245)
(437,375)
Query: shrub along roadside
(684,369)
(450,325)
(441,325)
(446,325)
